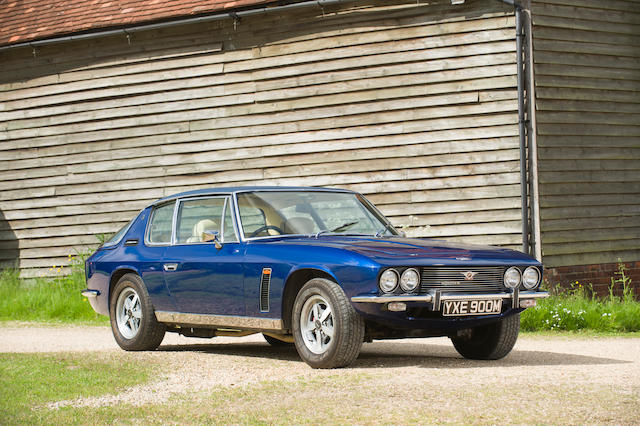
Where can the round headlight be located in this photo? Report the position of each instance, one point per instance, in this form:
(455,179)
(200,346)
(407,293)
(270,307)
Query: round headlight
(512,277)
(409,280)
(531,278)
(388,281)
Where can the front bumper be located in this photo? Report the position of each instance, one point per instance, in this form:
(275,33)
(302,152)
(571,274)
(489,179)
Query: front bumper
(519,299)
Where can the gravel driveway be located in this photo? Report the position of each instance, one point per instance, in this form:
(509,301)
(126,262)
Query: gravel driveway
(579,379)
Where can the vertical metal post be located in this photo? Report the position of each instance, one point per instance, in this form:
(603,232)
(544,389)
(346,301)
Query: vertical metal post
(522,133)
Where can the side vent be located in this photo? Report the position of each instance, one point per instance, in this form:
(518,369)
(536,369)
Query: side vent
(264,289)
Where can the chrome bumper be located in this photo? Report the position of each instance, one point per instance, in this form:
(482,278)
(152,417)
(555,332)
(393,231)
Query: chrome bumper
(437,297)
(90,293)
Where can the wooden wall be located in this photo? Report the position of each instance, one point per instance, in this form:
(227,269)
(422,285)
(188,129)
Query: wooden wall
(587,74)
(412,104)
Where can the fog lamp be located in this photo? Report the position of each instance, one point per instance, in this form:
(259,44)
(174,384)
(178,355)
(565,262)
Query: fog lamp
(397,306)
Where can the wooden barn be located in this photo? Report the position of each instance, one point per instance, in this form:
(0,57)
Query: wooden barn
(481,120)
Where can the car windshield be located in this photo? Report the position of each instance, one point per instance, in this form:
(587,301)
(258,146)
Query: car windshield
(273,213)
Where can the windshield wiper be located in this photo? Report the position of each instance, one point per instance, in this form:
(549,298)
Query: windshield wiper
(342,227)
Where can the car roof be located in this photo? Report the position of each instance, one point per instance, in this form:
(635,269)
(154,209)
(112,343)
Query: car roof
(236,189)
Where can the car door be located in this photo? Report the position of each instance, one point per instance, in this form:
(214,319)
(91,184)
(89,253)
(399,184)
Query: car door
(204,279)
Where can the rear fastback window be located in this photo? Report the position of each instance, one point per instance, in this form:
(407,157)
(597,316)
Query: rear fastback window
(160,224)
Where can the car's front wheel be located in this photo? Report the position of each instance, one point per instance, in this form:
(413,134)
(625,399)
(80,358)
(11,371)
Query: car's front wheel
(493,341)
(133,321)
(327,331)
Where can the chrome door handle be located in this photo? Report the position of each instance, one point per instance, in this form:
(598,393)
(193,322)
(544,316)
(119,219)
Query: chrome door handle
(170,266)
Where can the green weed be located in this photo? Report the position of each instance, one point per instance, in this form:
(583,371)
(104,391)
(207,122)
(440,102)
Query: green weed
(577,308)
(56,299)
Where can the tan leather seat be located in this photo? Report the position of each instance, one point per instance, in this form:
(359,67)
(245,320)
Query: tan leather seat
(199,228)
(299,225)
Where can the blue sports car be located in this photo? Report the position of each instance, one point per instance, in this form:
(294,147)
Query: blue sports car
(319,268)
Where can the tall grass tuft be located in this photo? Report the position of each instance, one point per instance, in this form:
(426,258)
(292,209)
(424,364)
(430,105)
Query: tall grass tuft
(577,308)
(56,299)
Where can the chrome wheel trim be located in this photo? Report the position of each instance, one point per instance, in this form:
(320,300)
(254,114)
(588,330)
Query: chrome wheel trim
(316,324)
(128,313)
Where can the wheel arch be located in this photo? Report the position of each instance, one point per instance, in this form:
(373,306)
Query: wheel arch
(116,275)
(294,283)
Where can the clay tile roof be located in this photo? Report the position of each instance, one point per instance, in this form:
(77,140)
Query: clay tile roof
(27,20)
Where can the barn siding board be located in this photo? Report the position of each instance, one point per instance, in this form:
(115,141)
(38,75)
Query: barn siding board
(587,76)
(414,105)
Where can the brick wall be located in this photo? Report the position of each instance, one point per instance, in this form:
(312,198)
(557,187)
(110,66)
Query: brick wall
(598,275)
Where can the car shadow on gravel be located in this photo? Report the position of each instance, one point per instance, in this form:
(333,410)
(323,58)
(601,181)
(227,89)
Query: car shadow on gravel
(389,354)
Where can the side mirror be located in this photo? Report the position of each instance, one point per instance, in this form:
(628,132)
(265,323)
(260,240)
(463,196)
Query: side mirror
(212,236)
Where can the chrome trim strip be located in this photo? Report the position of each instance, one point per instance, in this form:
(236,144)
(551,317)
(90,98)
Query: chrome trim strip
(226,321)
(447,296)
(391,298)
(88,293)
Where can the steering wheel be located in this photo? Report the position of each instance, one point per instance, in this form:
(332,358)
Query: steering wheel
(264,228)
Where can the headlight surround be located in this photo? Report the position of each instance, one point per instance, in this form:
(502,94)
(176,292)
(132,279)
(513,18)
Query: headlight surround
(409,280)
(388,281)
(512,277)
(531,278)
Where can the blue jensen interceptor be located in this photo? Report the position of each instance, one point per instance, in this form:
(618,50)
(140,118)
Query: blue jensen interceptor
(320,268)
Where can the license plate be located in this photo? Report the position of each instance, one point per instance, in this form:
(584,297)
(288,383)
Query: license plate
(452,308)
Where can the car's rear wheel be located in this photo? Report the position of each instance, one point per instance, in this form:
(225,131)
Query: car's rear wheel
(133,321)
(493,341)
(327,331)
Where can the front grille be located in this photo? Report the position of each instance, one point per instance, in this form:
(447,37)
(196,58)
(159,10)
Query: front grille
(487,279)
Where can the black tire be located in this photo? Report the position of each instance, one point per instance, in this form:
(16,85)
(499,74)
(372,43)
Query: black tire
(346,326)
(147,334)
(276,343)
(493,341)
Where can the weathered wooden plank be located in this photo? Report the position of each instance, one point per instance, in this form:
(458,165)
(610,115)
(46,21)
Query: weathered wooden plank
(589,200)
(575,82)
(582,59)
(591,176)
(559,46)
(584,247)
(584,36)
(588,141)
(591,258)
(579,12)
(593,211)
(591,223)
(583,24)
(621,5)
(586,129)
(587,165)
(590,188)
(589,235)
(603,152)
(543,94)
(494,211)
(587,72)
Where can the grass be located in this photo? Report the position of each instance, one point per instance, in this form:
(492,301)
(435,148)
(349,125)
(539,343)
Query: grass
(55,299)
(30,381)
(577,308)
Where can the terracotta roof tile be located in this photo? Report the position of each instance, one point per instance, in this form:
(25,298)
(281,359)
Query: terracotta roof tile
(28,20)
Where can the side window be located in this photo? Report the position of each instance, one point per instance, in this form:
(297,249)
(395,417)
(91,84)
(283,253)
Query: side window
(160,224)
(252,219)
(229,234)
(197,216)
